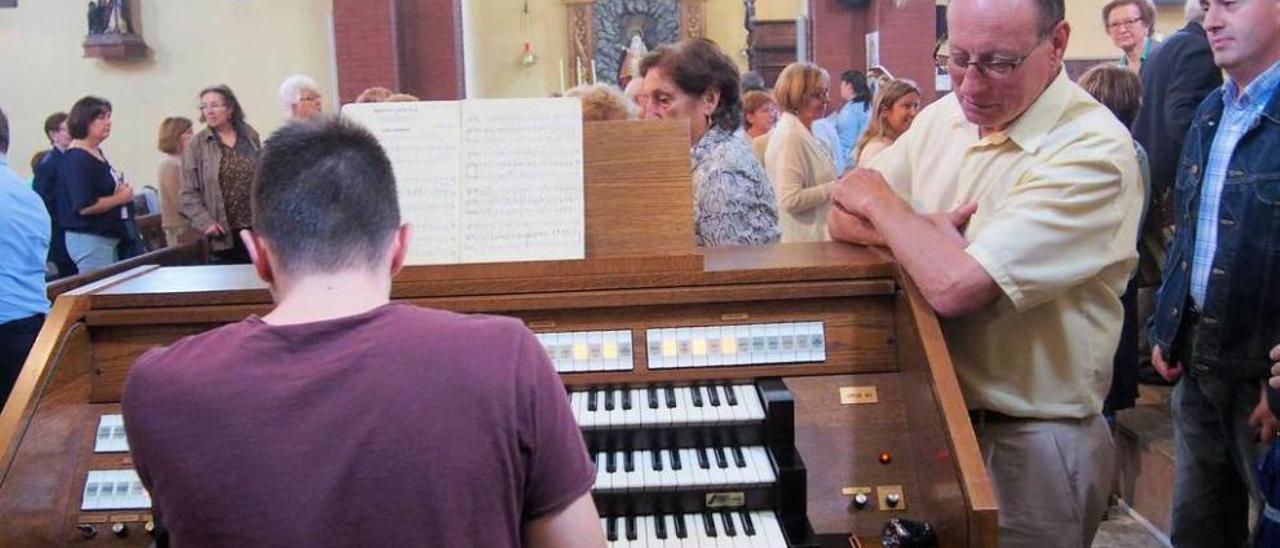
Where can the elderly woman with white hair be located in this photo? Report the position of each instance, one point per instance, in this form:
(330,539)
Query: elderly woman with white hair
(302,98)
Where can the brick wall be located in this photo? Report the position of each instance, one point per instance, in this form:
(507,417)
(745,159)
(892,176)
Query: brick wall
(906,38)
(414,46)
(431,48)
(365,44)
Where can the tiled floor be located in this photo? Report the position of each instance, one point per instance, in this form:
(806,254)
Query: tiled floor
(1121,531)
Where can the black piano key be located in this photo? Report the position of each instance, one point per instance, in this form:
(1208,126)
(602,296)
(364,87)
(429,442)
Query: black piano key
(670,393)
(696,392)
(628,461)
(713,395)
(727,521)
(611,532)
(675,459)
(593,459)
(708,524)
(608,400)
(626,400)
(681,531)
(610,463)
(703,461)
(748,527)
(656,455)
(631,528)
(721,460)
(592,399)
(729,395)
(660,526)
(653,398)
(738,458)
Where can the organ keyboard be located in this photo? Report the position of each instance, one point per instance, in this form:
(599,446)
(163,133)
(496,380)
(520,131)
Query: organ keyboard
(734,397)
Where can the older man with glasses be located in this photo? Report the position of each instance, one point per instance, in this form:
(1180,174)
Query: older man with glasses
(1014,204)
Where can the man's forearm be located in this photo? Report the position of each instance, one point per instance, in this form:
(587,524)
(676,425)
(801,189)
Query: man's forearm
(952,282)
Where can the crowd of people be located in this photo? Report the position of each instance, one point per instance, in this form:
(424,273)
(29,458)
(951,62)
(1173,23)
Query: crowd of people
(1030,210)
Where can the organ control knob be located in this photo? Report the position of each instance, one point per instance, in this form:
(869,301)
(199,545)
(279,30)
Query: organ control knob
(860,501)
(892,499)
(120,529)
(87,531)
(149,527)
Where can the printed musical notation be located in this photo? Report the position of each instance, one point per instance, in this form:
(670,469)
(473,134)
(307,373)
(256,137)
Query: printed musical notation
(485,180)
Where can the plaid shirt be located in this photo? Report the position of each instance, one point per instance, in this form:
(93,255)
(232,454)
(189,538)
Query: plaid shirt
(1239,115)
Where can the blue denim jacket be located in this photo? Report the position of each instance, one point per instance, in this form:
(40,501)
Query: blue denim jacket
(1240,320)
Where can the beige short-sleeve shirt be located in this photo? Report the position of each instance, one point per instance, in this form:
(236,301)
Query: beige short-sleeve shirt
(1059,200)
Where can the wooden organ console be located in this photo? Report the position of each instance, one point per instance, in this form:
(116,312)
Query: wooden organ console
(784,395)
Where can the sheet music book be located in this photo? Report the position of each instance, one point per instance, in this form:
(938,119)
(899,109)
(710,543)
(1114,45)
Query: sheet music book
(485,180)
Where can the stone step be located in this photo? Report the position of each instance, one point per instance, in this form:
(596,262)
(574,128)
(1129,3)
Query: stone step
(1144,454)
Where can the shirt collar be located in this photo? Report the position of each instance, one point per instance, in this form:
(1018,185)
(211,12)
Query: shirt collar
(1029,129)
(1256,94)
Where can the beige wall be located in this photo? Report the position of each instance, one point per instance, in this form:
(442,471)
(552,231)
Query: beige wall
(494,38)
(1089,39)
(251,46)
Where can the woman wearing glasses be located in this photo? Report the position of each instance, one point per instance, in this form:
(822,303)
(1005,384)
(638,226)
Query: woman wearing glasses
(799,165)
(1130,24)
(217,169)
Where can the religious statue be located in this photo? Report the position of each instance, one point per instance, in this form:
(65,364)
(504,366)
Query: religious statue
(110,16)
(630,67)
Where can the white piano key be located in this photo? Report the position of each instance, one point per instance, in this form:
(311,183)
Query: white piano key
(644,465)
(748,394)
(667,477)
(645,537)
(689,412)
(602,476)
(710,413)
(648,415)
(763,464)
(771,528)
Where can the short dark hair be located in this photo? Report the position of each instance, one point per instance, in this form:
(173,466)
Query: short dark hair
(1117,88)
(1146,12)
(229,97)
(4,133)
(324,196)
(54,122)
(83,113)
(752,81)
(697,65)
(1052,12)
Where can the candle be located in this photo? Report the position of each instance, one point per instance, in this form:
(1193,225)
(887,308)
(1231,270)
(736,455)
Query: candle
(577,60)
(561,75)
(593,71)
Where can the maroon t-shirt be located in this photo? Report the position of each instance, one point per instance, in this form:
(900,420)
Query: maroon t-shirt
(402,426)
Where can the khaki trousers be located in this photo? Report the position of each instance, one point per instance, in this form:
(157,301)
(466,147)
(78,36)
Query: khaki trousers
(1052,478)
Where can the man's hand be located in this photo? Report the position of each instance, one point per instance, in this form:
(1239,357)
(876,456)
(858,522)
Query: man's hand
(1275,366)
(863,192)
(952,224)
(1169,370)
(1263,419)
(848,227)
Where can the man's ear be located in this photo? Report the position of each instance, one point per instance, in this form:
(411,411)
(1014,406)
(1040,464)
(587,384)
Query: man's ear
(399,248)
(1058,39)
(260,254)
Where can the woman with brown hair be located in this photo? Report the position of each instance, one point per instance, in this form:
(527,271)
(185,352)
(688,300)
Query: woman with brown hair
(217,169)
(175,133)
(693,80)
(893,110)
(798,163)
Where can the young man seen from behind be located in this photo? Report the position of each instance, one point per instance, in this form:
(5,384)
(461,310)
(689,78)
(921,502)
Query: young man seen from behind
(340,418)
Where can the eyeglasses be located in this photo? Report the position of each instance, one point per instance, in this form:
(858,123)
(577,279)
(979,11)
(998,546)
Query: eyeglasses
(990,67)
(822,93)
(1124,23)
(211,106)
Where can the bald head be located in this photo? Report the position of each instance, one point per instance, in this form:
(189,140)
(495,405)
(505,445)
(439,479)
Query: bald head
(1045,13)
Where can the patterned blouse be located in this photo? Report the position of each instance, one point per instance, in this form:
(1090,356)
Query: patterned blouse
(733,202)
(235,175)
